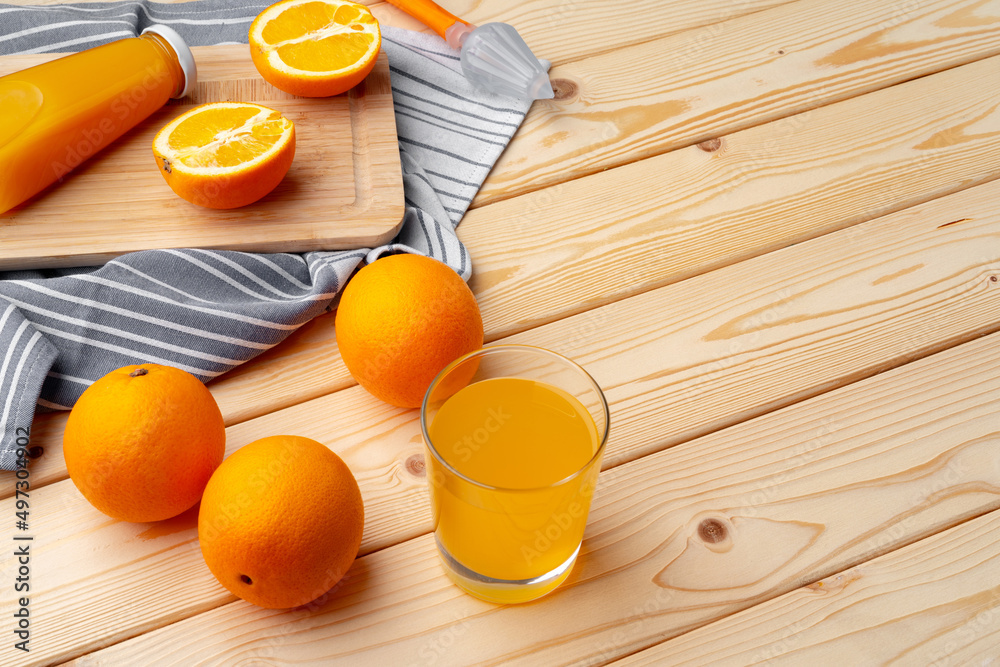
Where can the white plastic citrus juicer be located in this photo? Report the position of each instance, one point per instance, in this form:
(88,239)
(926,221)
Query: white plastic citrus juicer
(494,56)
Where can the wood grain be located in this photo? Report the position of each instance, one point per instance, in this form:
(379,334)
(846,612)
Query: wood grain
(680,90)
(611,235)
(874,465)
(563,30)
(344,189)
(912,451)
(675,363)
(307,365)
(633,230)
(595,240)
(935,602)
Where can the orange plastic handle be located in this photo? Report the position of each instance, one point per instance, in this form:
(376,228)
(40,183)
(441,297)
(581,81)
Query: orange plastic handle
(429,13)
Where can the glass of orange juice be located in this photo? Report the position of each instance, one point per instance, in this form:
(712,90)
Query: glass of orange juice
(514,437)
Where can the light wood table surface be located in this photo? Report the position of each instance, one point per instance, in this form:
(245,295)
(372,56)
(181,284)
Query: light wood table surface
(771,230)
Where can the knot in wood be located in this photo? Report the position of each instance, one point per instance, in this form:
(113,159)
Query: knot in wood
(711,145)
(415,465)
(712,531)
(35,452)
(563,89)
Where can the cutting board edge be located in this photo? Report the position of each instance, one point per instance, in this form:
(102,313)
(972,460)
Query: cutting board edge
(100,257)
(378,194)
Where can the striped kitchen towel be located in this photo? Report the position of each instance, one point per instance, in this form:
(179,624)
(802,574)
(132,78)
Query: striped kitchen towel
(209,311)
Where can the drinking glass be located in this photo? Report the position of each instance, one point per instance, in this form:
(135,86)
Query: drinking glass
(514,437)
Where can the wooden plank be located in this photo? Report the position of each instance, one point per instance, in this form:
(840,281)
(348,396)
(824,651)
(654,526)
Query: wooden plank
(935,602)
(677,91)
(611,235)
(310,357)
(354,199)
(676,363)
(633,229)
(798,495)
(563,30)
(517,287)
(769,186)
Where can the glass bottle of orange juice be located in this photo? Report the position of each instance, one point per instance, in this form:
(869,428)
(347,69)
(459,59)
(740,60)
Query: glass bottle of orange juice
(56,115)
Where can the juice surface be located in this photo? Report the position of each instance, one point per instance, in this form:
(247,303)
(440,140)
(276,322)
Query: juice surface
(526,438)
(56,115)
(514,433)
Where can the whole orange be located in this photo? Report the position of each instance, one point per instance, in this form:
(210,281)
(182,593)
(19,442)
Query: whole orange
(400,321)
(281,521)
(141,443)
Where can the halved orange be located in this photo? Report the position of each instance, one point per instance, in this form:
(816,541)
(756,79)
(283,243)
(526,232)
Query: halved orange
(315,48)
(225,154)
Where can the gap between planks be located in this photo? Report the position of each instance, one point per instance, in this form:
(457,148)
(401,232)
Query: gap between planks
(889,453)
(850,304)
(563,31)
(847,617)
(645,100)
(535,21)
(898,22)
(773,185)
(531,217)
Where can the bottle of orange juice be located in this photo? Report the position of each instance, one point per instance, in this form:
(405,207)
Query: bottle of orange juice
(56,115)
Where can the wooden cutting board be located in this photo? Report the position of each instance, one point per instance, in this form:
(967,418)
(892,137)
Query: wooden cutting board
(344,189)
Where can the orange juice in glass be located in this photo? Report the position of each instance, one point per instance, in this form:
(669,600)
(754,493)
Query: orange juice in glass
(515,436)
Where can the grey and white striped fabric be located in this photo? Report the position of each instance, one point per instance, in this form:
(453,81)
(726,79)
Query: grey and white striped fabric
(208,311)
